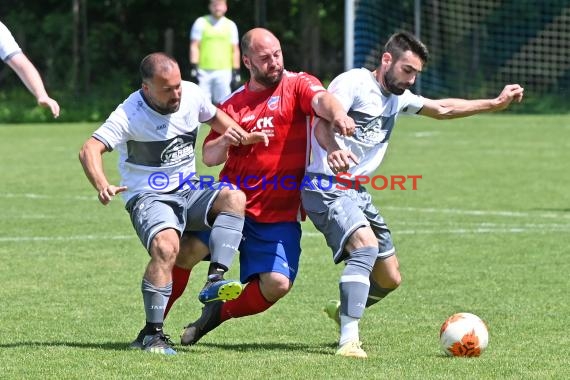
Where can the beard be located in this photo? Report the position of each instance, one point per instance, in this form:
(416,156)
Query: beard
(392,84)
(164,109)
(267,80)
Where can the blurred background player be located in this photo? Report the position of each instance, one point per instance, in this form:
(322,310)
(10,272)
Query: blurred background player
(280,104)
(214,52)
(13,56)
(352,226)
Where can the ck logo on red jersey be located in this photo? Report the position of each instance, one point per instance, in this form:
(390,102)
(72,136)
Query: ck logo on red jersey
(273,103)
(263,124)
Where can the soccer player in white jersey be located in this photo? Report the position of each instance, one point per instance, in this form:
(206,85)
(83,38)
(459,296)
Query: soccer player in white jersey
(13,56)
(352,226)
(154,130)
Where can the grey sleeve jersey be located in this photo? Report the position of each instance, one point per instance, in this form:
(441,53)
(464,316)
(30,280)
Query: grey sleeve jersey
(374,113)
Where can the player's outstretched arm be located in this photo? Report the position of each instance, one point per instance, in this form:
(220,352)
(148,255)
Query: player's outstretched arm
(31,78)
(91,159)
(453,108)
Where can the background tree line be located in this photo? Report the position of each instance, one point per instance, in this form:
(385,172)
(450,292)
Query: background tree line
(88,51)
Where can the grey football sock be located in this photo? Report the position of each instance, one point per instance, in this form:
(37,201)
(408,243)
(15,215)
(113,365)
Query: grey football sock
(354,281)
(376,293)
(225,238)
(155,299)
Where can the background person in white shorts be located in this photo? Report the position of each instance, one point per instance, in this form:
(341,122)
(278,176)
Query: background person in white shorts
(13,56)
(214,52)
(352,226)
(154,131)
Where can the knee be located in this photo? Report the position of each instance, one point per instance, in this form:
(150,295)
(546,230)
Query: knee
(231,201)
(394,280)
(274,286)
(165,246)
(389,279)
(362,237)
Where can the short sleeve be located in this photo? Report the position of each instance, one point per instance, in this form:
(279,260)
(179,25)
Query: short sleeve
(343,87)
(197,29)
(410,103)
(234,33)
(114,130)
(307,87)
(8,45)
(207,108)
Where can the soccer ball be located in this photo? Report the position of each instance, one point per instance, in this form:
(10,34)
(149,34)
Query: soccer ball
(463,334)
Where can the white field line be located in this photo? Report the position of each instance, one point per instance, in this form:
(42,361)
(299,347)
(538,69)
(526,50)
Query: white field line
(512,214)
(24,239)
(438,228)
(516,214)
(43,196)
(434,231)
(469,231)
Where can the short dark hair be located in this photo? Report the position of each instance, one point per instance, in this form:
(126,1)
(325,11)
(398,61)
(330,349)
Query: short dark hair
(400,42)
(154,61)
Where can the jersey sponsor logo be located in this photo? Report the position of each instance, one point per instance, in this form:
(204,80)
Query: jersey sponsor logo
(265,124)
(159,127)
(177,151)
(273,103)
(373,131)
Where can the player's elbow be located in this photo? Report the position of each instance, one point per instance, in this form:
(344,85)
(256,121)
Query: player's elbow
(82,156)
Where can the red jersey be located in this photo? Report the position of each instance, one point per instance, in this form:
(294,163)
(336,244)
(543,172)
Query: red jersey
(270,176)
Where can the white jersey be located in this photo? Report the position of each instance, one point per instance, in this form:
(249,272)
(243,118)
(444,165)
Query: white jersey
(156,152)
(8,45)
(374,113)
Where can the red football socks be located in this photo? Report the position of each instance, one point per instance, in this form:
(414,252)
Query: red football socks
(180,277)
(250,302)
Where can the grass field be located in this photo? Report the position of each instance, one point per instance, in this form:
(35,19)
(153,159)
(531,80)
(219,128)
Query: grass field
(487,232)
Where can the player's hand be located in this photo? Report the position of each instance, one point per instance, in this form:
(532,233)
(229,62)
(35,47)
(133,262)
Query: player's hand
(254,138)
(48,102)
(107,193)
(510,92)
(233,136)
(340,160)
(344,125)
(236,136)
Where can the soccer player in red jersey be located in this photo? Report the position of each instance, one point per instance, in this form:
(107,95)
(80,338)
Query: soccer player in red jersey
(281,104)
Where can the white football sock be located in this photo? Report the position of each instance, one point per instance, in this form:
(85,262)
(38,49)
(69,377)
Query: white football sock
(348,329)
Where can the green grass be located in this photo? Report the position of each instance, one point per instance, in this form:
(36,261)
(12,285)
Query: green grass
(486,232)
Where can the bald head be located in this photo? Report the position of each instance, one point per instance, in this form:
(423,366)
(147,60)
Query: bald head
(256,38)
(157,63)
(263,57)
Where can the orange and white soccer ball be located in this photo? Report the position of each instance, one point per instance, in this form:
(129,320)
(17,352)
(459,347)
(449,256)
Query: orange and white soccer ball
(463,334)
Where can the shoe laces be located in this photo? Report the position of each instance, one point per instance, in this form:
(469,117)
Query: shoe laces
(166,338)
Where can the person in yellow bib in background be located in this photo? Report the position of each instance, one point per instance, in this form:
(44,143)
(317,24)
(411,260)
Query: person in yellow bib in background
(214,52)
